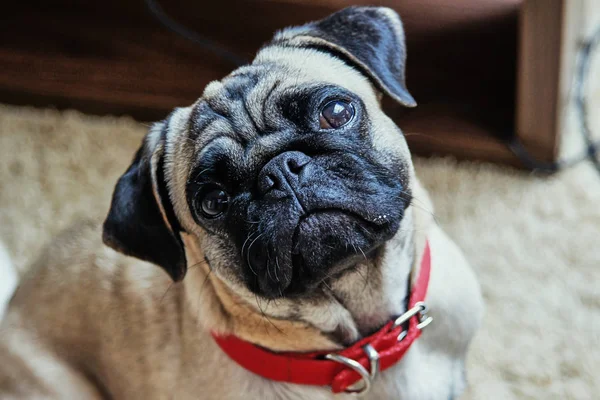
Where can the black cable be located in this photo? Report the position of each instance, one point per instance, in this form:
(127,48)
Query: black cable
(581,105)
(158,12)
(581,98)
(532,163)
(529,161)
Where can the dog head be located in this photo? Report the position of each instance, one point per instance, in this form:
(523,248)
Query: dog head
(287,170)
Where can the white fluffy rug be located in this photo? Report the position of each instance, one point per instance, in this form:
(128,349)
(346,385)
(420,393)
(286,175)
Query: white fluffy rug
(533,241)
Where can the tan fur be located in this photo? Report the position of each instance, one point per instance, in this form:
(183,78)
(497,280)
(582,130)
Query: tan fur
(88,322)
(115,294)
(238,318)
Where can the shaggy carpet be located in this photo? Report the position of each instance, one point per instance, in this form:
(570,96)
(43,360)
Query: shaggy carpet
(533,242)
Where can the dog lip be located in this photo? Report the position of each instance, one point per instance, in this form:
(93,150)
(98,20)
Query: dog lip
(379,221)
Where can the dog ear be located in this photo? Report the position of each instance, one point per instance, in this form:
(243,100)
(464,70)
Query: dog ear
(141,221)
(370,39)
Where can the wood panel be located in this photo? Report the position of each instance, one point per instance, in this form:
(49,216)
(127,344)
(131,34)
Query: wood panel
(548,33)
(113,57)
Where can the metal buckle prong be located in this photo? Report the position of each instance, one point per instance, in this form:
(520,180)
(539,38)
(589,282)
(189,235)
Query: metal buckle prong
(421,309)
(367,377)
(373,356)
(424,319)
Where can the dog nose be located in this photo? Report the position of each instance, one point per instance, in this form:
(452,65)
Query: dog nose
(281,171)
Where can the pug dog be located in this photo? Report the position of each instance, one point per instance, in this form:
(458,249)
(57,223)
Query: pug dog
(283,211)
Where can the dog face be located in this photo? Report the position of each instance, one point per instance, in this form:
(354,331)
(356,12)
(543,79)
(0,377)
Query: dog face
(287,170)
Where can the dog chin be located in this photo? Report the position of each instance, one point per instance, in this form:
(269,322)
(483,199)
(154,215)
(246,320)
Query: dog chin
(325,244)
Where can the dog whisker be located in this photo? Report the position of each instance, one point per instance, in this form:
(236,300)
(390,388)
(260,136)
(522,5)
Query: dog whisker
(166,291)
(422,207)
(367,277)
(362,275)
(195,178)
(363,253)
(268,264)
(413,199)
(274,301)
(172,283)
(246,241)
(274,271)
(248,254)
(435,218)
(327,276)
(412,230)
(206,278)
(277,267)
(265,316)
(261,312)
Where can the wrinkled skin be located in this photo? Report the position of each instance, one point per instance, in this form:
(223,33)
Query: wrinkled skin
(289,223)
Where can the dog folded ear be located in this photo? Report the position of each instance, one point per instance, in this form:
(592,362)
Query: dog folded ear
(370,39)
(141,221)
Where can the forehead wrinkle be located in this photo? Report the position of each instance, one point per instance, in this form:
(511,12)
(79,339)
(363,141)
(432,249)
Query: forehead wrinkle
(227,146)
(239,102)
(215,129)
(202,117)
(232,98)
(256,124)
(259,101)
(259,86)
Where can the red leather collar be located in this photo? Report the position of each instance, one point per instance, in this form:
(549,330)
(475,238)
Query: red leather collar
(390,344)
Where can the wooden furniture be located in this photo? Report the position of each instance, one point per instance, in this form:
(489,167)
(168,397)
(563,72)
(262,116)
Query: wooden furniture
(548,32)
(481,70)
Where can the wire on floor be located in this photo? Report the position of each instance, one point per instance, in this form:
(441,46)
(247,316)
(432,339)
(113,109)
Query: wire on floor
(580,82)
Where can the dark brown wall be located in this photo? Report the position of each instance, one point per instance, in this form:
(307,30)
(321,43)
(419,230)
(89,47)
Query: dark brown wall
(114,57)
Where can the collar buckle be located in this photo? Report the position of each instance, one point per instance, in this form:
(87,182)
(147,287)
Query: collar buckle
(361,387)
(367,376)
(381,350)
(419,309)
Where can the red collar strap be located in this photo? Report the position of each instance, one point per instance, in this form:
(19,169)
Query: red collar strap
(345,369)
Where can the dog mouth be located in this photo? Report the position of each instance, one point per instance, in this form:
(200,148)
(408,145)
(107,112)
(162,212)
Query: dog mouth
(376,221)
(315,224)
(324,243)
(307,221)
(328,240)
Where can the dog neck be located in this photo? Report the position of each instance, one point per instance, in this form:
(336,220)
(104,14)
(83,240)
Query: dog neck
(350,307)
(375,291)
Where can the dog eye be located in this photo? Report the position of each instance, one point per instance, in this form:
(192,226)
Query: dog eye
(336,114)
(213,201)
